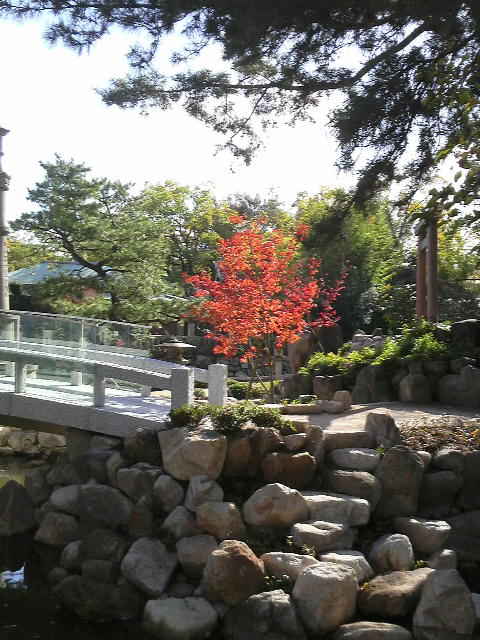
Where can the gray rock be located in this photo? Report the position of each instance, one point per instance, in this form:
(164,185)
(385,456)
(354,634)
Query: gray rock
(322,536)
(331,406)
(140,521)
(469,495)
(77,442)
(180,618)
(222,520)
(325,596)
(353,559)
(114,463)
(373,385)
(103,571)
(360,484)
(355,459)
(392,553)
(99,602)
(275,505)
(438,492)
(393,595)
(167,493)
(180,590)
(400,474)
(465,535)
(200,490)
(71,558)
(337,507)
(36,485)
(426,536)
(415,388)
(345,397)
(269,615)
(371,631)
(17,514)
(57,529)
(443,559)
(189,453)
(382,426)
(325,386)
(457,365)
(289,565)
(446,610)
(142,446)
(295,470)
(137,482)
(348,440)
(99,505)
(465,335)
(66,499)
(62,472)
(426,458)
(180,524)
(92,465)
(149,566)
(50,440)
(103,544)
(295,441)
(193,554)
(462,390)
(476,604)
(449,460)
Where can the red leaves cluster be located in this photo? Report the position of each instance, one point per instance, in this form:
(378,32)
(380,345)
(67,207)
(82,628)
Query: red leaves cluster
(262,296)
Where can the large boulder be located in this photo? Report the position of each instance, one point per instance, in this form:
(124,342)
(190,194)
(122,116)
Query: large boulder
(200,490)
(149,566)
(465,535)
(336,507)
(465,336)
(449,459)
(36,485)
(322,536)
(222,520)
(355,459)
(353,559)
(99,602)
(392,552)
(295,470)
(462,390)
(426,536)
(17,514)
(167,494)
(66,499)
(103,544)
(188,453)
(360,484)
(469,495)
(415,387)
(371,631)
(324,387)
(438,492)
(57,529)
(180,618)
(393,595)
(446,610)
(180,524)
(103,506)
(264,616)
(289,565)
(193,554)
(137,482)
(233,573)
(92,464)
(373,385)
(275,505)
(382,426)
(142,446)
(400,474)
(325,595)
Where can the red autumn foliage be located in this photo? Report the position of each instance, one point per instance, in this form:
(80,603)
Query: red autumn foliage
(263,295)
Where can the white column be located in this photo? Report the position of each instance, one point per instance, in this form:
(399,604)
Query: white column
(20,376)
(98,387)
(217,384)
(182,387)
(4,183)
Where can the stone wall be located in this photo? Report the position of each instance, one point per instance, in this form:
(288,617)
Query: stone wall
(30,443)
(192,530)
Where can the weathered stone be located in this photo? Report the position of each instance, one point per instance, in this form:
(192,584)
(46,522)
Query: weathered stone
(193,554)
(57,574)
(142,446)
(264,616)
(263,440)
(288,565)
(103,544)
(393,595)
(400,473)
(180,590)
(71,558)
(140,521)
(437,493)
(50,440)
(167,493)
(322,536)
(295,384)
(353,559)
(446,610)
(17,514)
(426,458)
(330,338)
(137,482)
(449,460)
(469,495)
(345,397)
(415,388)
(103,571)
(457,365)
(331,406)
(355,459)
(426,536)
(348,439)
(232,573)
(372,385)
(336,507)
(465,335)
(63,472)
(443,559)
(239,452)
(222,520)
(325,386)
(293,470)
(23,441)
(382,426)
(57,530)
(5,433)
(189,453)
(462,390)
(149,566)
(476,604)
(392,553)
(295,441)
(275,505)
(99,505)
(36,485)
(180,618)
(325,596)
(66,499)
(107,442)
(180,524)
(316,444)
(200,490)
(92,465)
(114,463)
(360,484)
(77,442)
(99,602)
(371,631)
(465,535)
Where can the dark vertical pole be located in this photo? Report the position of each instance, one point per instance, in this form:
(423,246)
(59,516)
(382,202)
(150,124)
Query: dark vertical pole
(432,271)
(421,274)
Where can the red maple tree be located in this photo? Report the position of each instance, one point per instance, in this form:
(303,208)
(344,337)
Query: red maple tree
(262,295)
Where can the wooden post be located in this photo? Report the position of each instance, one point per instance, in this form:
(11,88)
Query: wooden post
(432,271)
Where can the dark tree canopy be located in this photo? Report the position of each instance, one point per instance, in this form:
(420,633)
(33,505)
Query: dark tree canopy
(409,72)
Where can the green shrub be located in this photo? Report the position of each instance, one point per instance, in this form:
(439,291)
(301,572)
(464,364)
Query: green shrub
(238,389)
(189,417)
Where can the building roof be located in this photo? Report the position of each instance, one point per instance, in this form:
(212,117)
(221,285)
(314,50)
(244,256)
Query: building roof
(39,272)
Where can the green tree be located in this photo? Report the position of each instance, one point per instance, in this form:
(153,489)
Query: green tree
(97,223)
(408,73)
(25,254)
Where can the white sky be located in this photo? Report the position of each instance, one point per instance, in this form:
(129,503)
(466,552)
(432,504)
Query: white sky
(47,100)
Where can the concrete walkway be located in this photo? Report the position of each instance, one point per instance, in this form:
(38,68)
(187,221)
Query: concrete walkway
(354,420)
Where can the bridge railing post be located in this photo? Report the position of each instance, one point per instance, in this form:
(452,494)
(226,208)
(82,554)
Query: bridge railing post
(182,387)
(20,376)
(98,387)
(217,384)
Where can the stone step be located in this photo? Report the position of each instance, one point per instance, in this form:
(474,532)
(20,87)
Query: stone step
(355,459)
(347,439)
(337,508)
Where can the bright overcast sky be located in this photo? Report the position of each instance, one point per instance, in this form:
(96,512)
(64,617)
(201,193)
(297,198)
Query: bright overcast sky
(49,104)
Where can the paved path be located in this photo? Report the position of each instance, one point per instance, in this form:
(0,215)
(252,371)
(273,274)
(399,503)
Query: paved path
(354,420)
